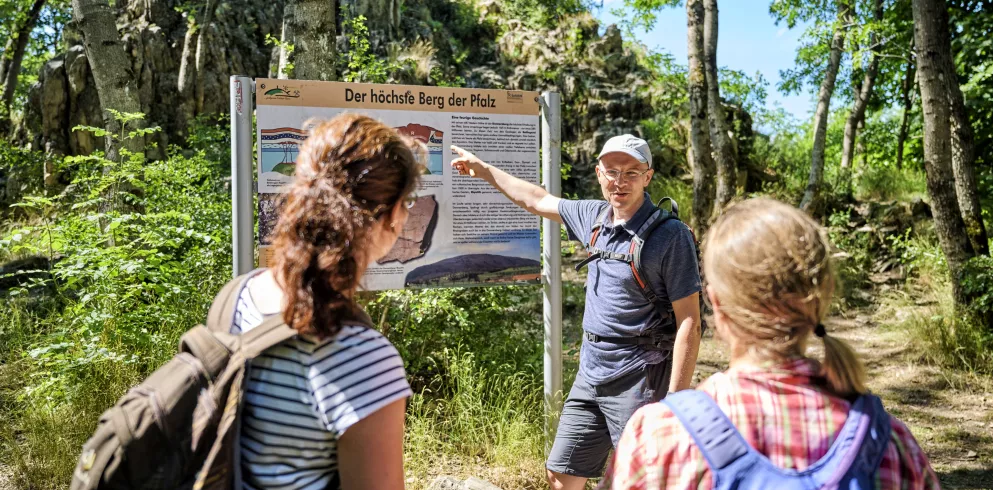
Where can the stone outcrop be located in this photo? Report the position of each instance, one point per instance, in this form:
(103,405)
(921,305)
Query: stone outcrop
(153,32)
(452,483)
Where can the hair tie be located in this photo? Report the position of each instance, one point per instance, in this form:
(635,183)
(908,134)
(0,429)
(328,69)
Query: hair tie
(819,330)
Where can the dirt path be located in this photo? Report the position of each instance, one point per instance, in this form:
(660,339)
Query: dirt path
(950,414)
(6,478)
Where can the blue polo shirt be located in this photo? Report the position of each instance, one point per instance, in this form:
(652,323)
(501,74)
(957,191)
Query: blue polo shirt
(615,304)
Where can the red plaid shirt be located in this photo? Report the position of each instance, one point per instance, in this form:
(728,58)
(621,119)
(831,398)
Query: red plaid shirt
(785,413)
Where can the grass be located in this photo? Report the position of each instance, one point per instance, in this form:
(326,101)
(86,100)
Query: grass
(924,310)
(883,183)
(486,425)
(471,419)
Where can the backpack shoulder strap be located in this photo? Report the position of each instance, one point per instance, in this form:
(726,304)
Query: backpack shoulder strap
(211,343)
(715,436)
(658,217)
(274,330)
(221,313)
(858,449)
(597,226)
(592,253)
(271,332)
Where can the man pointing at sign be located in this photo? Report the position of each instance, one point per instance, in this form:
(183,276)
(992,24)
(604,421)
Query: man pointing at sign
(632,353)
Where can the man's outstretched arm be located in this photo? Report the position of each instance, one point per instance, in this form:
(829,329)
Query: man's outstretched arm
(534,199)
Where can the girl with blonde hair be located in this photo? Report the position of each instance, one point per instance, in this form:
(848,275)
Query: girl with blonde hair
(776,418)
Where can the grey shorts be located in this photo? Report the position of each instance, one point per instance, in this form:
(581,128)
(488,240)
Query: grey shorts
(593,418)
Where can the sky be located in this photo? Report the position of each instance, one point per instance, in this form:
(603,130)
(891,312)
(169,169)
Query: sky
(748,40)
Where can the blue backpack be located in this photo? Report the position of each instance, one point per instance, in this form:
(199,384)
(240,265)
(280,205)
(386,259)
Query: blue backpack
(850,463)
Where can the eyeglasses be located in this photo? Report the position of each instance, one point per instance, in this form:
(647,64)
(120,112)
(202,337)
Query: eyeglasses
(410,200)
(615,175)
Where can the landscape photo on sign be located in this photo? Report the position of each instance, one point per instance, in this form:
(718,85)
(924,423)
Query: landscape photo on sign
(433,139)
(279,149)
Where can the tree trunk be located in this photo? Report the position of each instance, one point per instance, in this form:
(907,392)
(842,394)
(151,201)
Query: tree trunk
(963,160)
(8,47)
(12,62)
(285,41)
(115,82)
(857,115)
(908,105)
(201,57)
(724,159)
(190,80)
(933,54)
(824,106)
(313,27)
(187,74)
(701,159)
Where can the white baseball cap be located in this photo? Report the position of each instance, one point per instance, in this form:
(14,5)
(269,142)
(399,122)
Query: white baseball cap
(629,144)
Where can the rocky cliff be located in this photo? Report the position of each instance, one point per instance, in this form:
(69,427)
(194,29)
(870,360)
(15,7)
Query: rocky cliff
(605,91)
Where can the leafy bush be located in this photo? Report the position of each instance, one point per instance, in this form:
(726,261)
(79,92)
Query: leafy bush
(977,284)
(138,249)
(854,260)
(21,173)
(502,325)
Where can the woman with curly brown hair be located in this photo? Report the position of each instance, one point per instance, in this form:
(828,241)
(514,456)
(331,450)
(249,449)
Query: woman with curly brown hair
(325,409)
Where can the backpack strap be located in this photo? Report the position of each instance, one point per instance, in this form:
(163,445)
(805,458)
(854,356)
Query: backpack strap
(272,331)
(656,219)
(858,449)
(715,436)
(221,313)
(593,253)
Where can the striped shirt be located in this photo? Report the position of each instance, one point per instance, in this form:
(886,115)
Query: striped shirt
(784,413)
(303,394)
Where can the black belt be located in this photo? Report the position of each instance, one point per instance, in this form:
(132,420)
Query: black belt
(661,341)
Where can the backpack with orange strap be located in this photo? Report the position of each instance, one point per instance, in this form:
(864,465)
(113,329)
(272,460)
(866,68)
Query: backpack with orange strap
(664,338)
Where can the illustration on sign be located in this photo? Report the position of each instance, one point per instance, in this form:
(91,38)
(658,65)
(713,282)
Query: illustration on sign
(433,139)
(280,148)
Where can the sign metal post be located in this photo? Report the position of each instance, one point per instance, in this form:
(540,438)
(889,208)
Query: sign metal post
(242,216)
(551,279)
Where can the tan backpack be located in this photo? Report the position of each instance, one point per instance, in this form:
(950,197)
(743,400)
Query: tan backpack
(180,427)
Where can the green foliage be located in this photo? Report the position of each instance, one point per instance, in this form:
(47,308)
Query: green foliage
(884,182)
(919,254)
(21,173)
(977,284)
(949,338)
(46,39)
(749,92)
(642,14)
(134,245)
(542,13)
(422,324)
(855,257)
(362,64)
(494,417)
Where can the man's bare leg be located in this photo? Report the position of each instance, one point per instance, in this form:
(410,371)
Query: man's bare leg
(559,481)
